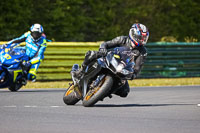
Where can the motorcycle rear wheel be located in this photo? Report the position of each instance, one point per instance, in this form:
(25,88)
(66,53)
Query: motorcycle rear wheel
(72,95)
(99,92)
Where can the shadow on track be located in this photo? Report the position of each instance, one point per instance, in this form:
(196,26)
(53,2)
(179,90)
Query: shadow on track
(138,105)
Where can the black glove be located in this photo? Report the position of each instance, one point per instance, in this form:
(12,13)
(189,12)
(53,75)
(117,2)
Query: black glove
(103,51)
(26,64)
(133,77)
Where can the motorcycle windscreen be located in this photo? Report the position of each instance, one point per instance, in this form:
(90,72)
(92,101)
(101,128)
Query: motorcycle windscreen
(124,55)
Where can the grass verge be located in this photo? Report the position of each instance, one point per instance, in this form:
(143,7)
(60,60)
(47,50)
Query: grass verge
(136,82)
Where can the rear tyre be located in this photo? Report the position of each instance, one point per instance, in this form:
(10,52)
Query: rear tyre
(99,92)
(72,95)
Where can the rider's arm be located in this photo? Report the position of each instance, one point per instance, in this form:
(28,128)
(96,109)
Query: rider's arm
(18,40)
(40,54)
(139,60)
(116,42)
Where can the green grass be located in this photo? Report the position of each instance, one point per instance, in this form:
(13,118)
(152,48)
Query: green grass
(136,82)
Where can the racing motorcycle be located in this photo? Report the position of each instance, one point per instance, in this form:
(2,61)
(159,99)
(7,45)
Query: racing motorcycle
(101,79)
(11,68)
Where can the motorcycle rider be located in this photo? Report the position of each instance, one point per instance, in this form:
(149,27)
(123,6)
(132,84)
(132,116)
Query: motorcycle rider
(36,44)
(138,37)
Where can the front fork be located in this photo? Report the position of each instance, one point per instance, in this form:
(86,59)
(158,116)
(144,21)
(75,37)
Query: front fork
(90,72)
(94,84)
(97,81)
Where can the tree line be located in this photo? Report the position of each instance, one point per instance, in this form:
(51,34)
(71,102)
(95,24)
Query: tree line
(99,20)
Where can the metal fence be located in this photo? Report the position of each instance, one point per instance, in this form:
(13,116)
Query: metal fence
(172,60)
(164,60)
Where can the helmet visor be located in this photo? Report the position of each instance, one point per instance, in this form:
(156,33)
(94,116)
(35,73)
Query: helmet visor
(142,39)
(36,35)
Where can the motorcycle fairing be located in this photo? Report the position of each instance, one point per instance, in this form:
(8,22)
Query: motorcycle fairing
(11,58)
(10,65)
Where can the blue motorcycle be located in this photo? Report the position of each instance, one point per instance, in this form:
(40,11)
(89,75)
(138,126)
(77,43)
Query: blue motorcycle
(11,73)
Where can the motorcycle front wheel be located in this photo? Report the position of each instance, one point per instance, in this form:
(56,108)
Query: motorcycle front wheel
(99,92)
(72,95)
(15,87)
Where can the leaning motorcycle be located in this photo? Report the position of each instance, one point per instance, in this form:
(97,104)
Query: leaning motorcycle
(11,68)
(102,78)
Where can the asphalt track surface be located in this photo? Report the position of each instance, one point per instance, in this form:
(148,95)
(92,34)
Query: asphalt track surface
(145,110)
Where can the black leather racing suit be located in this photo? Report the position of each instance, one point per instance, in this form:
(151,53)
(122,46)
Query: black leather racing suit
(139,54)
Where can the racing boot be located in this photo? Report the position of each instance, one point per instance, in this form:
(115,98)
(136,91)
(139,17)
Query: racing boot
(80,72)
(25,69)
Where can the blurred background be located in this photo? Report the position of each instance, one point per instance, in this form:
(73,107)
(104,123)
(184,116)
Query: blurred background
(98,20)
(76,26)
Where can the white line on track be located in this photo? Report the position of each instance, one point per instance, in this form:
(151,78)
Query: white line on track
(31,106)
(12,106)
(27,106)
(56,106)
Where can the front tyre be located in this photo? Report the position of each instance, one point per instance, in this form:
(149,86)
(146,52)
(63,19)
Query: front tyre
(72,95)
(99,92)
(15,87)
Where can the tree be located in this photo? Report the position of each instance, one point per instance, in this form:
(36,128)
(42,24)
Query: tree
(89,20)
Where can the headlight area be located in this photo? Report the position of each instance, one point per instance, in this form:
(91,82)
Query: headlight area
(119,68)
(125,72)
(122,72)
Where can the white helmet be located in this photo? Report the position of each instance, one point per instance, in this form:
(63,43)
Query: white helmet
(36,31)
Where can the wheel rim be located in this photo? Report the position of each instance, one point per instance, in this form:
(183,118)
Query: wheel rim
(70,90)
(94,91)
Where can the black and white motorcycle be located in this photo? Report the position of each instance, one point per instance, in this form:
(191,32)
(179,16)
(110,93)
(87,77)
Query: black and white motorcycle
(102,78)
